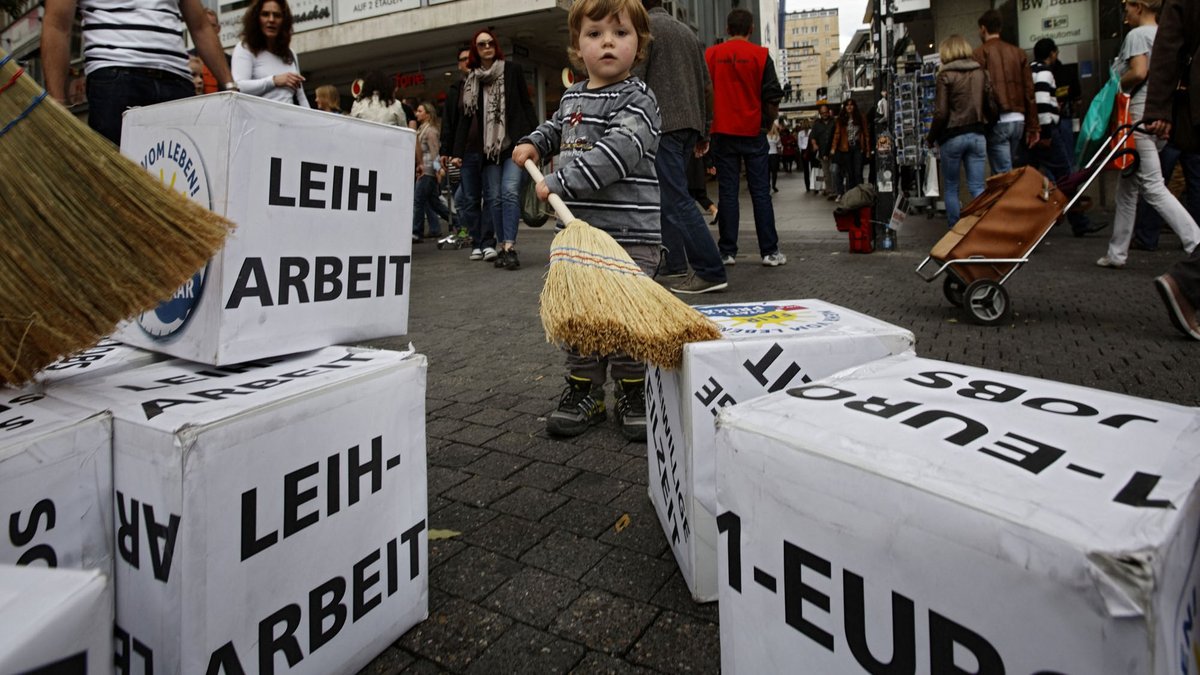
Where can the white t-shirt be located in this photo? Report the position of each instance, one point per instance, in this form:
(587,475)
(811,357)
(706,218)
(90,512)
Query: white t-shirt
(773,145)
(1138,42)
(133,34)
(254,72)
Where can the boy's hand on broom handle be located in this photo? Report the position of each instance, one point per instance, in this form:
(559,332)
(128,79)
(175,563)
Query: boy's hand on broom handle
(525,154)
(560,209)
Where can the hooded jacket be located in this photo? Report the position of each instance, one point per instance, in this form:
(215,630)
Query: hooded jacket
(962,88)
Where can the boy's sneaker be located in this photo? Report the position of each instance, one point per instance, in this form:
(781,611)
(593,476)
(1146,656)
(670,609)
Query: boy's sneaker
(489,254)
(631,408)
(501,259)
(774,259)
(580,407)
(514,263)
(476,254)
(695,284)
(728,260)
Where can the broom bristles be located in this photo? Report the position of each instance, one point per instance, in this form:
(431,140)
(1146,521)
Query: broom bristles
(89,237)
(598,301)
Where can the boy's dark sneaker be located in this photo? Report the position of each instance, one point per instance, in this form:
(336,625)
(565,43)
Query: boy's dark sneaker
(631,408)
(514,263)
(580,407)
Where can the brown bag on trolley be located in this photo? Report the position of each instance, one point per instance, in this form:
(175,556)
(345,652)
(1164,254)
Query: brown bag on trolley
(1006,221)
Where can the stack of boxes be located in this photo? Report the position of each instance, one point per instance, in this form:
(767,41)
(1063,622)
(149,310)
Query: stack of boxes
(257,504)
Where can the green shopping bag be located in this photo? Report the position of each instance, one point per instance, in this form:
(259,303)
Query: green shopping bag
(1093,130)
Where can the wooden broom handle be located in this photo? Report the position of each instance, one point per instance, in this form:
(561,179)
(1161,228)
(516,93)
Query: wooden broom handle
(560,209)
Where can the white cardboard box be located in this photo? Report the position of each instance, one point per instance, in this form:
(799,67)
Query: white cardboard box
(106,356)
(946,518)
(55,621)
(322,249)
(56,504)
(765,346)
(270,512)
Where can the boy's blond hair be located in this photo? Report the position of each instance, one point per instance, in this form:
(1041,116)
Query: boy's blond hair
(601,9)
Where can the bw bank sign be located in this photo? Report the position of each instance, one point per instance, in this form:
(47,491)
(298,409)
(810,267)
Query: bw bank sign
(1064,21)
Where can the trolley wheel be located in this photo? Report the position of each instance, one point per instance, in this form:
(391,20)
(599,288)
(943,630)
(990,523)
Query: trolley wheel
(987,302)
(953,289)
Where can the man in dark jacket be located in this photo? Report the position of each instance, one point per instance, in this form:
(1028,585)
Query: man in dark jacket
(820,141)
(674,69)
(1175,46)
(1012,81)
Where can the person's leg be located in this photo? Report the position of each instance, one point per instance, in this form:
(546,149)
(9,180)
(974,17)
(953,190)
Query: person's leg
(1154,189)
(511,180)
(491,203)
(974,160)
(754,151)
(1018,148)
(856,168)
(1064,140)
(1190,162)
(1147,225)
(773,170)
(951,154)
(826,176)
(420,206)
(998,149)
(679,215)
(804,164)
(729,176)
(432,204)
(471,189)
(629,375)
(1123,215)
(109,91)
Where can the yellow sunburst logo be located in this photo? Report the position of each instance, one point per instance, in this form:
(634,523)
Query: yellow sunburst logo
(776,318)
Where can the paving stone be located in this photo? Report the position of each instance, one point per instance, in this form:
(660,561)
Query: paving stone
(534,596)
(583,518)
(598,461)
(674,595)
(441,550)
(529,503)
(630,573)
(546,449)
(502,402)
(443,427)
(441,479)
(460,411)
(456,634)
(473,574)
(433,405)
(455,455)
(460,518)
(497,465)
(604,621)
(525,424)
(633,471)
(479,491)
(472,395)
(437,503)
(536,406)
(598,663)
(566,554)
(544,476)
(492,415)
(392,660)
(527,651)
(644,533)
(679,644)
(508,535)
(634,498)
(473,434)
(594,487)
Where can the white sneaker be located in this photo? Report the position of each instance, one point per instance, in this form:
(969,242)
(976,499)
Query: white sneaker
(489,254)
(476,254)
(728,260)
(775,259)
(1109,263)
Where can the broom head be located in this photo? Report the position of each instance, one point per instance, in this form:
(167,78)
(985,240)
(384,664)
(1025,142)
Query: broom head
(598,301)
(87,237)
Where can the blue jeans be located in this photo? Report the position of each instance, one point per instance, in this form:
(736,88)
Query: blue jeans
(479,225)
(1148,224)
(728,154)
(112,90)
(850,165)
(962,151)
(502,197)
(1006,146)
(683,230)
(427,206)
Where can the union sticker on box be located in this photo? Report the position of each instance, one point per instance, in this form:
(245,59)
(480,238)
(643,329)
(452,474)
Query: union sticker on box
(55,621)
(55,483)
(764,347)
(320,254)
(917,516)
(270,515)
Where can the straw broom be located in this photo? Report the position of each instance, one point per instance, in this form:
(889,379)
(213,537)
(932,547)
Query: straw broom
(597,300)
(87,237)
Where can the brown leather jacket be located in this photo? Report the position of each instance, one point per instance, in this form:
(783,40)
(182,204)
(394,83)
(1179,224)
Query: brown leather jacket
(958,108)
(841,138)
(1013,81)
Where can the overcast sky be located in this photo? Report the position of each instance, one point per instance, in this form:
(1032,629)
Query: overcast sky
(850,14)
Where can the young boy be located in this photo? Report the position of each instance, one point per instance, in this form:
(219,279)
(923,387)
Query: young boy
(605,133)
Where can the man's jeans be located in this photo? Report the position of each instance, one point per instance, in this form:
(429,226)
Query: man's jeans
(728,154)
(1006,146)
(479,228)
(427,206)
(683,230)
(112,90)
(1148,224)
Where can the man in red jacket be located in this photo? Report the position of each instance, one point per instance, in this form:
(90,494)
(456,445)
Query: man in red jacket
(746,96)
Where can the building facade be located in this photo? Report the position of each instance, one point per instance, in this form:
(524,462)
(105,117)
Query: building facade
(809,45)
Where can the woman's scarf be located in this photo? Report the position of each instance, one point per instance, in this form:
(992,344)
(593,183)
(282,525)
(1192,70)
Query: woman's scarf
(495,135)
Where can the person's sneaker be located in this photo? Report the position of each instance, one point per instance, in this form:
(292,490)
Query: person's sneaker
(631,408)
(581,406)
(728,260)
(501,259)
(514,263)
(695,284)
(774,259)
(489,254)
(674,275)
(476,254)
(1179,309)
(1109,263)
(417,239)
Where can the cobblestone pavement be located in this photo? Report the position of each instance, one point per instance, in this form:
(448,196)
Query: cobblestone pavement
(539,580)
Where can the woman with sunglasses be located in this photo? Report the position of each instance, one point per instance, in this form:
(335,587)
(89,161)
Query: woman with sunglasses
(851,145)
(496,111)
(1133,66)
